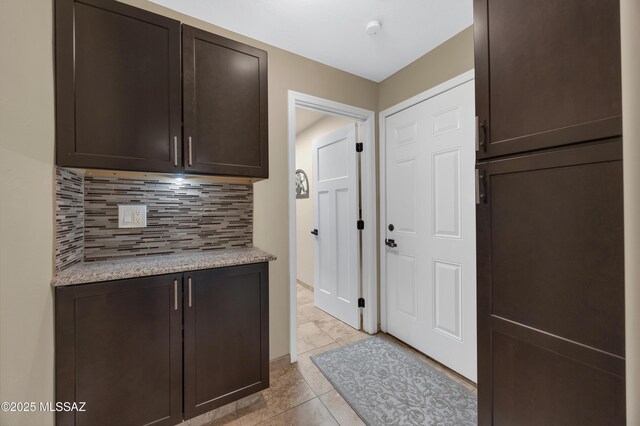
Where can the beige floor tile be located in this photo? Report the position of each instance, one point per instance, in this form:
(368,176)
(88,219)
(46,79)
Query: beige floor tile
(336,329)
(304,296)
(314,378)
(340,410)
(311,337)
(301,319)
(313,313)
(310,413)
(359,336)
(288,389)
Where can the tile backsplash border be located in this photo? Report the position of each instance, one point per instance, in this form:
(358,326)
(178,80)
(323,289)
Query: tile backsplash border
(69,196)
(183,215)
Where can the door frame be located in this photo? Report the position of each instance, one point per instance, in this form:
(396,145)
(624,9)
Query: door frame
(382,118)
(369,275)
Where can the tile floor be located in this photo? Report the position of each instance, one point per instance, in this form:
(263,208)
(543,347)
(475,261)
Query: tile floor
(299,394)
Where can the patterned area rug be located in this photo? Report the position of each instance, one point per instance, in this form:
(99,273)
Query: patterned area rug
(387,385)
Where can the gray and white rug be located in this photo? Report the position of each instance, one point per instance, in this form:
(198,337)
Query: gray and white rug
(386,385)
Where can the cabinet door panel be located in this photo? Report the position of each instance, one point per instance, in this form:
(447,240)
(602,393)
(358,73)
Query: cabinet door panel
(119,349)
(117,87)
(551,279)
(226,341)
(547,72)
(225,105)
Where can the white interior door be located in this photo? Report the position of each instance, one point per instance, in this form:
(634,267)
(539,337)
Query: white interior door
(431,262)
(335,193)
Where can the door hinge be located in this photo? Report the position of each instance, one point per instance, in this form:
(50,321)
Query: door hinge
(359,146)
(360,225)
(361,302)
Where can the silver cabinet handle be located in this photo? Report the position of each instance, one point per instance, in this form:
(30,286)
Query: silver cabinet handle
(189,281)
(175,151)
(190,153)
(175,295)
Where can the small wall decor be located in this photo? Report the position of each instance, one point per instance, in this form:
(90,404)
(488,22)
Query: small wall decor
(302,184)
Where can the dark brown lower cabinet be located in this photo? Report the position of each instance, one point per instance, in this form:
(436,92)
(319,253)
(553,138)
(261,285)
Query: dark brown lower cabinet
(226,336)
(119,349)
(551,288)
(120,345)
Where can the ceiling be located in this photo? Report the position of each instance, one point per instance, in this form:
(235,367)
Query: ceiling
(333,31)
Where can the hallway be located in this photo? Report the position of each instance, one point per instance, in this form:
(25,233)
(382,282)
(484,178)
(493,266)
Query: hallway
(299,393)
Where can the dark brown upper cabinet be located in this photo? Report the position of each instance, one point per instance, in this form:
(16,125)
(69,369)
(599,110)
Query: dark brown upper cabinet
(547,73)
(225,106)
(118,101)
(226,336)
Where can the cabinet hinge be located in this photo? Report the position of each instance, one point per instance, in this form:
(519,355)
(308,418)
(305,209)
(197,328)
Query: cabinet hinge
(481,190)
(360,224)
(361,302)
(359,146)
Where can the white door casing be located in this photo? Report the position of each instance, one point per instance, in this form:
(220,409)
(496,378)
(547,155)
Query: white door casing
(336,249)
(430,201)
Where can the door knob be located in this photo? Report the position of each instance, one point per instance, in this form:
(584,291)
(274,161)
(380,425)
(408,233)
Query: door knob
(314,232)
(390,243)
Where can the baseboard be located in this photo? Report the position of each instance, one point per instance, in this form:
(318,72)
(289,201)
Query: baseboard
(305,285)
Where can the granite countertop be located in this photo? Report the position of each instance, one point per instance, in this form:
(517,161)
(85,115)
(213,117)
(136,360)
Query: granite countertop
(108,270)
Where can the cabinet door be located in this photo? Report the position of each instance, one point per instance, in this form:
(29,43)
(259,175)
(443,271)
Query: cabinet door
(226,336)
(547,73)
(119,349)
(551,288)
(225,106)
(118,101)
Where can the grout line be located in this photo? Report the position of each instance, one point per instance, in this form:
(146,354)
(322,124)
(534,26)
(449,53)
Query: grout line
(327,408)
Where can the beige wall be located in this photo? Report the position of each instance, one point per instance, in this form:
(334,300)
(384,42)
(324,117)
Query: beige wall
(304,206)
(450,59)
(630,26)
(26,206)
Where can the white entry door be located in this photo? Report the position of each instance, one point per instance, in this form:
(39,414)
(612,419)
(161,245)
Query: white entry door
(430,213)
(335,194)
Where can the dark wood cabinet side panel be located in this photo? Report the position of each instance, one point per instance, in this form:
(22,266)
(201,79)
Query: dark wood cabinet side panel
(118,87)
(119,349)
(533,386)
(225,336)
(547,73)
(225,105)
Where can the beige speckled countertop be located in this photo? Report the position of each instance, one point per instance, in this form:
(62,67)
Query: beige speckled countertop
(108,270)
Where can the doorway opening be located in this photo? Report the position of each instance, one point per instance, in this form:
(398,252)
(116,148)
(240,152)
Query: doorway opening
(332,223)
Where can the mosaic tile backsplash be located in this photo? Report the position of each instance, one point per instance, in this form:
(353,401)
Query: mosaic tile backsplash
(181,216)
(69,218)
